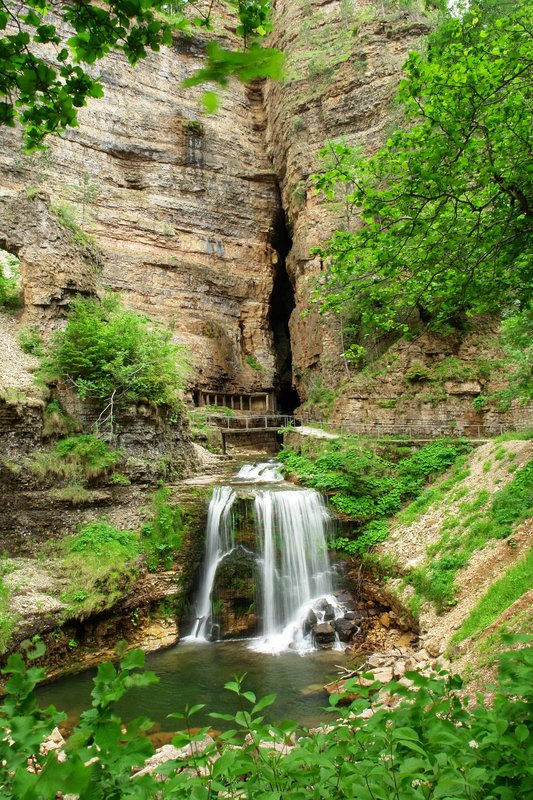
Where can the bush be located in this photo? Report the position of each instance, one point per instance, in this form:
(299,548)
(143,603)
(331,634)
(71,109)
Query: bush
(116,356)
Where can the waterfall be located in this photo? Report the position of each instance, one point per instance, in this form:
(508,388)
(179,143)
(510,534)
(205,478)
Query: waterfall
(292,566)
(219,544)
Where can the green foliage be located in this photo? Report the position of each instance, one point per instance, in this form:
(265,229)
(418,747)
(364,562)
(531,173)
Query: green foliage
(253,363)
(104,540)
(7,618)
(30,341)
(417,373)
(434,744)
(116,356)
(517,330)
(367,487)
(320,399)
(162,538)
(446,203)
(99,564)
(43,93)
(56,421)
(503,593)
(10,293)
(82,457)
(66,215)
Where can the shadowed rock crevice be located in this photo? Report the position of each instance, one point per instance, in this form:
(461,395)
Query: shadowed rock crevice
(282,304)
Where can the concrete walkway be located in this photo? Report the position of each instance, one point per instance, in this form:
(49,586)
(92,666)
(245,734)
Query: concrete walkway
(318,433)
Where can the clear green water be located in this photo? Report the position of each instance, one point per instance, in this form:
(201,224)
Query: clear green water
(196,673)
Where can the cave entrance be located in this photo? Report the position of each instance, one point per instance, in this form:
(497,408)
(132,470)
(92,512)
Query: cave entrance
(282,304)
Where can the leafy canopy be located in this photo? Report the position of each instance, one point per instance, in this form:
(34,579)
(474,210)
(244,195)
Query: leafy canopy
(113,354)
(446,205)
(43,82)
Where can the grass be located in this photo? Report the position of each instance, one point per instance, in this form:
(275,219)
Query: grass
(56,421)
(463,535)
(7,618)
(99,564)
(434,494)
(78,458)
(74,494)
(503,593)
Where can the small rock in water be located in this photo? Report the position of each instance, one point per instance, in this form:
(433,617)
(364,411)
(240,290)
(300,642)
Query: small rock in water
(310,620)
(345,628)
(324,635)
(329,612)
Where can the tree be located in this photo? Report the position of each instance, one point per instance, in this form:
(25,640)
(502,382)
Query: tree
(114,356)
(440,219)
(43,82)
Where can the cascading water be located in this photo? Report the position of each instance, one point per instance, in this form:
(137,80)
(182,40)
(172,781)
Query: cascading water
(219,544)
(292,567)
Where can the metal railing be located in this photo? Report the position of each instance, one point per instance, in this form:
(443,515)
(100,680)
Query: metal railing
(408,429)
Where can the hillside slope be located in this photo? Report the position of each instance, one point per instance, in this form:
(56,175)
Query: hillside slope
(459,557)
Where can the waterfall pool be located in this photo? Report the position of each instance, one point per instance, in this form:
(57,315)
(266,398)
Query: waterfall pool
(193,673)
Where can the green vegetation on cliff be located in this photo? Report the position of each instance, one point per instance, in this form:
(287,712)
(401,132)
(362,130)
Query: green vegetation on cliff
(483,519)
(366,486)
(114,356)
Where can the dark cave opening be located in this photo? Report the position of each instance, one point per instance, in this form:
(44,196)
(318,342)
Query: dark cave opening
(282,304)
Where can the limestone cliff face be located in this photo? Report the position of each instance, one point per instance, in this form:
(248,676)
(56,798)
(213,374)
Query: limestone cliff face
(343,67)
(182,209)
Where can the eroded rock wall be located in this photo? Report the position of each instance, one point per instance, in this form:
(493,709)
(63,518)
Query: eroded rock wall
(343,66)
(180,204)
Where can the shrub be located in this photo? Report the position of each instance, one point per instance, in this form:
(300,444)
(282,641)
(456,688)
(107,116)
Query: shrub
(434,743)
(116,356)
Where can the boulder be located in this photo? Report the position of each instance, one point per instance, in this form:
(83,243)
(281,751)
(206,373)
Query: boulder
(310,620)
(346,628)
(324,635)
(329,612)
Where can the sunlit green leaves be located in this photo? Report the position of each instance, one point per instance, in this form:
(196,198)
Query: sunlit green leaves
(447,202)
(44,96)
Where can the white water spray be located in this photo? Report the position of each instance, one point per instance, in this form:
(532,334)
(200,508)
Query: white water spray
(219,544)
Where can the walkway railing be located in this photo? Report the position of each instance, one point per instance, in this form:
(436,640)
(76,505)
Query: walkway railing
(408,429)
